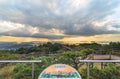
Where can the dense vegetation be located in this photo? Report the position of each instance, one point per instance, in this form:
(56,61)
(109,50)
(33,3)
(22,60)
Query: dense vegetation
(8,55)
(51,53)
(112,71)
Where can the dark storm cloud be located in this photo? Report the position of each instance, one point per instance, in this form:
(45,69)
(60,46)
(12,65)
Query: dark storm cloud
(72,17)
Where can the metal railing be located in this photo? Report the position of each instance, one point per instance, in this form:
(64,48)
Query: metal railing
(23,61)
(96,61)
(20,61)
(81,61)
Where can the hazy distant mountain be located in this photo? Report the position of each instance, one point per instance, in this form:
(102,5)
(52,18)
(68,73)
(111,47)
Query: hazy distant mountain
(14,45)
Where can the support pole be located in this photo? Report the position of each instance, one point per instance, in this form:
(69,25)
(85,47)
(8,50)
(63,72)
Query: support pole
(88,71)
(101,65)
(32,70)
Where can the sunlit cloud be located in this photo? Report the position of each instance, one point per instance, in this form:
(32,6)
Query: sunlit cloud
(21,30)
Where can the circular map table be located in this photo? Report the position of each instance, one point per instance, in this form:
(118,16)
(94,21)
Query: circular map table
(61,71)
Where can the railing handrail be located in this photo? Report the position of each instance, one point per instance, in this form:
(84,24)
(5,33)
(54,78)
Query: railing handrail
(20,61)
(38,61)
(99,61)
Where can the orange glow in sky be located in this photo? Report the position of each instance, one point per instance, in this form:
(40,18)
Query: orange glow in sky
(70,40)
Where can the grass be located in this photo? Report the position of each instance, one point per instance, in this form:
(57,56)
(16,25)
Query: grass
(7,72)
(98,65)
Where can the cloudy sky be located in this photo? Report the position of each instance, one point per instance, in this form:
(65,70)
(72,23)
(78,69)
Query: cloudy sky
(59,20)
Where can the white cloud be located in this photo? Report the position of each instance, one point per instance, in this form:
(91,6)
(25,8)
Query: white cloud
(3,1)
(69,7)
(103,22)
(110,22)
(7,26)
(79,3)
(112,28)
(10,27)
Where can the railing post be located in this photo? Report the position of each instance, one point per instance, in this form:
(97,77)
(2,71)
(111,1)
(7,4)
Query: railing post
(88,70)
(32,70)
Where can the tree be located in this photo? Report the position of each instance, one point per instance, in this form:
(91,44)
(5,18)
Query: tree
(112,71)
(23,70)
(71,58)
(85,52)
(90,45)
(22,50)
